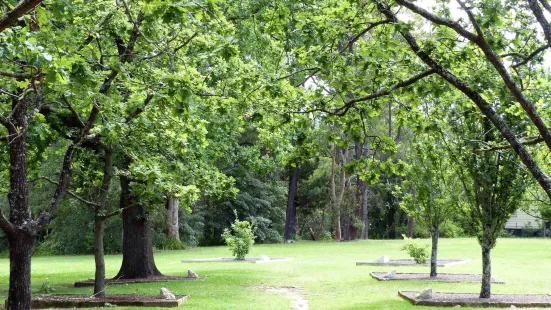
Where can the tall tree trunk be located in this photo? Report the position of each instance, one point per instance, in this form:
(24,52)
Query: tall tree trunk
(435,233)
(21,238)
(137,251)
(21,248)
(411,224)
(291,212)
(365,216)
(99,257)
(358,151)
(336,219)
(173,227)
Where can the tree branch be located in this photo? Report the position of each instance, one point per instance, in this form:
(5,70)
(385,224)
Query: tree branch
(439,20)
(19,10)
(526,58)
(15,75)
(5,224)
(546,5)
(185,43)
(116,212)
(350,104)
(540,17)
(528,141)
(75,114)
(478,100)
(139,110)
(362,33)
(71,193)
(491,56)
(98,26)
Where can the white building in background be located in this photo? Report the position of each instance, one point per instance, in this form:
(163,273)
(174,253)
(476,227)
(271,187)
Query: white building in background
(526,225)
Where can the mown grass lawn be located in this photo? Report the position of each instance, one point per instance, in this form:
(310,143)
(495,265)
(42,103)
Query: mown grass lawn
(326,272)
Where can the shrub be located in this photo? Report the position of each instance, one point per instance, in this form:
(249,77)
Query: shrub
(161,242)
(450,229)
(46,288)
(418,252)
(240,238)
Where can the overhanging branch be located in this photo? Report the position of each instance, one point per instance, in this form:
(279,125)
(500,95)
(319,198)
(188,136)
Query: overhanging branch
(19,10)
(350,104)
(503,147)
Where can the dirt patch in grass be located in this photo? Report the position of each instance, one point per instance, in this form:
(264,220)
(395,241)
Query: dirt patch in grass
(411,262)
(291,292)
(85,301)
(472,300)
(442,277)
(253,260)
(90,282)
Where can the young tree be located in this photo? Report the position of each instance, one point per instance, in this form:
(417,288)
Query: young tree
(432,195)
(493,184)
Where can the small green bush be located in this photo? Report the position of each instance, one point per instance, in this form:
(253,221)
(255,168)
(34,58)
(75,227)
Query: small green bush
(46,288)
(418,252)
(240,238)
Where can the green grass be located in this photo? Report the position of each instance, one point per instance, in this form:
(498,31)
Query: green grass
(326,272)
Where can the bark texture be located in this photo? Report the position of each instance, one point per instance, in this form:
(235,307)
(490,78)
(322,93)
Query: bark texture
(21,248)
(20,230)
(137,257)
(173,226)
(99,224)
(99,257)
(411,224)
(435,234)
(486,288)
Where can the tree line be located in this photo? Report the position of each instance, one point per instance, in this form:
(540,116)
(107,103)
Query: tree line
(312,119)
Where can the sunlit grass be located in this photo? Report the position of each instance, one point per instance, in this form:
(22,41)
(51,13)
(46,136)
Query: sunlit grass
(326,272)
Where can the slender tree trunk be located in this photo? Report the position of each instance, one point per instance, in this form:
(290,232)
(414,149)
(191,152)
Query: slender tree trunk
(99,224)
(411,224)
(99,257)
(365,215)
(435,233)
(291,212)
(486,288)
(334,200)
(137,252)
(21,248)
(173,227)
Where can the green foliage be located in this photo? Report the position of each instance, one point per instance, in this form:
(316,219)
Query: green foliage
(259,201)
(240,238)
(450,229)
(46,288)
(72,232)
(161,242)
(417,251)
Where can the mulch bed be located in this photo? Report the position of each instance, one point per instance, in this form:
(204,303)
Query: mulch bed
(472,300)
(90,282)
(85,301)
(442,277)
(411,262)
(253,260)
